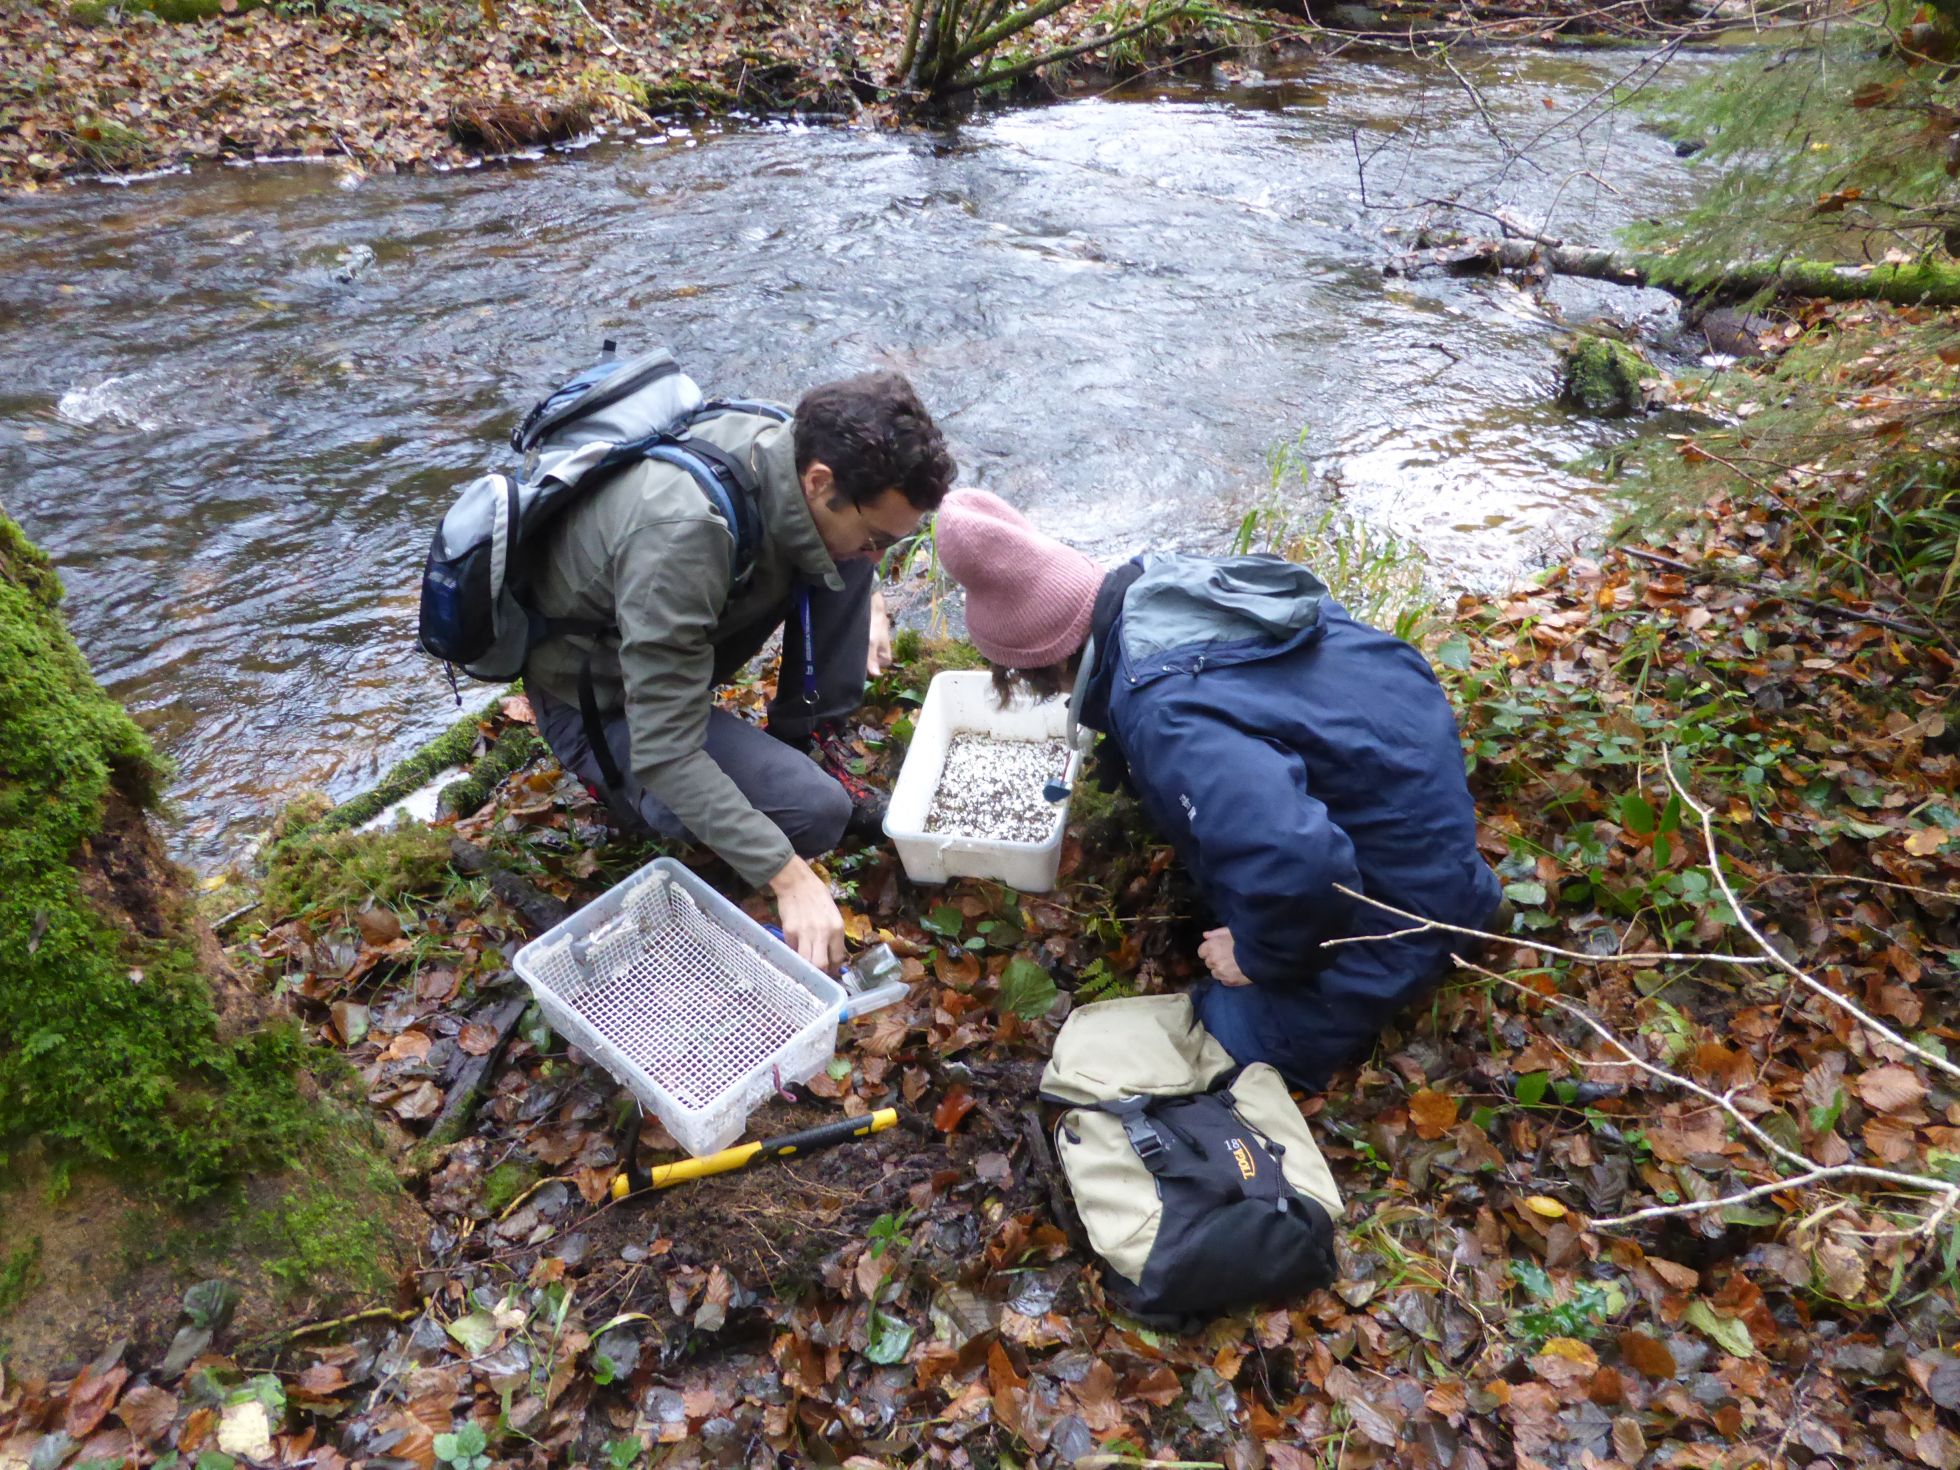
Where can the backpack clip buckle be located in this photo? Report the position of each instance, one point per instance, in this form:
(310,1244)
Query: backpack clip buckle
(1143,1136)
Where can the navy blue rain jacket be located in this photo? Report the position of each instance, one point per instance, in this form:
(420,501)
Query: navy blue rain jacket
(1287,749)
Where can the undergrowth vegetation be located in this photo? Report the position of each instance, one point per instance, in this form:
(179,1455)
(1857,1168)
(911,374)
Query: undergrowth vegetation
(1373,573)
(1845,149)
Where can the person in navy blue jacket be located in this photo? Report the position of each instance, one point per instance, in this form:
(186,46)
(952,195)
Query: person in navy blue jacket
(1291,754)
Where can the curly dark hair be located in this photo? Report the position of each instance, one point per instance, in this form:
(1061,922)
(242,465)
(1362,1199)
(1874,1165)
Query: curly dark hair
(1042,683)
(876,436)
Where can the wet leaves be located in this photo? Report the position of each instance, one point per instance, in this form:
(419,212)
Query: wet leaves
(910,1298)
(953,1107)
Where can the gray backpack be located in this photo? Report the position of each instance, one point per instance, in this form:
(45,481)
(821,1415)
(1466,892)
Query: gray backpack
(616,413)
(1197,1180)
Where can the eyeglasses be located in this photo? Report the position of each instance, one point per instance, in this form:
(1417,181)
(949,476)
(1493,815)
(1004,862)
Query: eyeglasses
(877,540)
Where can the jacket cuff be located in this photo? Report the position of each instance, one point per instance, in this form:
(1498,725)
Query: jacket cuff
(757,865)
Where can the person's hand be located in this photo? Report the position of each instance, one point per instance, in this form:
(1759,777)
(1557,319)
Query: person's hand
(812,926)
(1221,957)
(879,658)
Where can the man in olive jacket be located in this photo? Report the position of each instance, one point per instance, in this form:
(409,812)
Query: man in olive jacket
(854,471)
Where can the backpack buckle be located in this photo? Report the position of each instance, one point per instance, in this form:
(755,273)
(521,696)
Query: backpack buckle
(1143,1136)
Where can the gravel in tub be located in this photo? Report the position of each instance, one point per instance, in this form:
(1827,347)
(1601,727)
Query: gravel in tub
(992,788)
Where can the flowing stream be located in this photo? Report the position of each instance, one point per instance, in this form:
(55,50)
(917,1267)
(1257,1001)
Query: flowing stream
(233,404)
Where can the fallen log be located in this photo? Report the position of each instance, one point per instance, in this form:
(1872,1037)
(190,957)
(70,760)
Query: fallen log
(1922,283)
(469,1075)
(539,910)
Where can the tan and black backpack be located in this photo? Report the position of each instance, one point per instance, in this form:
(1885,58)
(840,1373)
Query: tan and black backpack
(1197,1180)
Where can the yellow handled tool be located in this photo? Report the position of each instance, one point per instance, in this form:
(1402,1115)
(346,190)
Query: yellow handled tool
(809,1140)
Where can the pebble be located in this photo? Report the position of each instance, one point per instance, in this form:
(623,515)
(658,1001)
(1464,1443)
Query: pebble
(992,788)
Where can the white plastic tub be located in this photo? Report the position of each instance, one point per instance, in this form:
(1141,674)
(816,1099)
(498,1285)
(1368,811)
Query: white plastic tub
(963,703)
(689,1002)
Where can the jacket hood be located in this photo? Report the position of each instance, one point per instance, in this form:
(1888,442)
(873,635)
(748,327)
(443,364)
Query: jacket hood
(1171,613)
(1183,603)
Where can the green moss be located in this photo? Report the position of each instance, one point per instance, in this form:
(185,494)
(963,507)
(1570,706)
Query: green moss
(456,746)
(336,1236)
(516,748)
(1600,375)
(937,655)
(339,872)
(18,1270)
(505,1183)
(109,1044)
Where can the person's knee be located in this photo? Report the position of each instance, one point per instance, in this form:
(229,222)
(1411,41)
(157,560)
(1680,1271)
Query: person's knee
(815,816)
(1255,1025)
(1233,1016)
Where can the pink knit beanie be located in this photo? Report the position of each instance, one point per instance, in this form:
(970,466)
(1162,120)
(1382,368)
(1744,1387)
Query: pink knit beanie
(1028,597)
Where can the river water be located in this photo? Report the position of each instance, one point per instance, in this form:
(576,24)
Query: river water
(233,404)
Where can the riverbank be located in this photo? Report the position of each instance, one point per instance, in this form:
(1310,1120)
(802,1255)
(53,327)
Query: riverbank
(113,91)
(1555,1243)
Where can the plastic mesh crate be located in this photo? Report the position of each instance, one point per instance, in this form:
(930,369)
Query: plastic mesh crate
(684,998)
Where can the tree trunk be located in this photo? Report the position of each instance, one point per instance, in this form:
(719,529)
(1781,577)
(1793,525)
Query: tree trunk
(145,1086)
(1928,283)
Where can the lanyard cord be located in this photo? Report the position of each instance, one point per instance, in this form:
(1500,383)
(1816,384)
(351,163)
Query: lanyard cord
(809,646)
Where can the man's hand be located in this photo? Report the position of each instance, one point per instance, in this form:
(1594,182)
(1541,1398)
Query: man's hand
(811,924)
(1221,957)
(879,658)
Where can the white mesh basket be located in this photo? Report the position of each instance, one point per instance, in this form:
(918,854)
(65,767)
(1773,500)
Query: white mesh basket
(684,998)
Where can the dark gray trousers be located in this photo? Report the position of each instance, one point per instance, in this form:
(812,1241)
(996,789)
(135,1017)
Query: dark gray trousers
(781,782)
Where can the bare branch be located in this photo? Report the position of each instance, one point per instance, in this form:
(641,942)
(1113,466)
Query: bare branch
(1816,987)
(1423,925)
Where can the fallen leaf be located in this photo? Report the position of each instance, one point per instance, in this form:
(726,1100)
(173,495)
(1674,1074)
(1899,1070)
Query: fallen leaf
(1888,1088)
(1433,1113)
(147,1412)
(1544,1204)
(378,925)
(350,1021)
(1676,1275)
(421,1102)
(245,1430)
(1730,1334)
(954,1106)
(91,1398)
(474,1331)
(1648,1355)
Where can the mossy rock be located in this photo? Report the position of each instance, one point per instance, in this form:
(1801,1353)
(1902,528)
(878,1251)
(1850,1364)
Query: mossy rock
(1602,376)
(112,1043)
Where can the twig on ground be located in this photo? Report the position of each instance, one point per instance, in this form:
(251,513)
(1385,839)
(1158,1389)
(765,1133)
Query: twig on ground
(233,917)
(1817,605)
(314,1329)
(602,28)
(1421,925)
